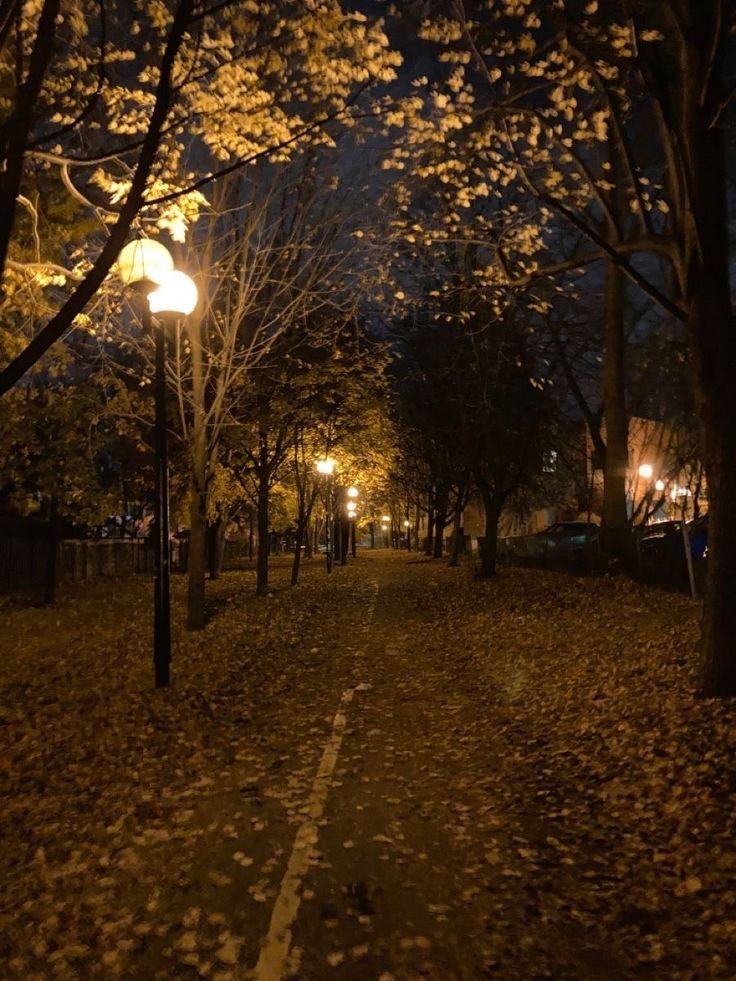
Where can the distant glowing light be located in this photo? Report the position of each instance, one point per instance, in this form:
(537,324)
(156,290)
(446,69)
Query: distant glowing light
(351,506)
(353,491)
(659,485)
(646,471)
(326,466)
(386,517)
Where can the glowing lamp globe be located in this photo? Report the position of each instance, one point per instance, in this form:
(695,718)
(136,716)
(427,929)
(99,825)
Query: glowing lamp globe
(659,485)
(325,466)
(176,294)
(351,507)
(386,517)
(645,471)
(144,261)
(353,492)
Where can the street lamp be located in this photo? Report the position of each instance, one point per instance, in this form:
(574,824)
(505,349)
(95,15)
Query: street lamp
(645,471)
(147,267)
(352,518)
(326,468)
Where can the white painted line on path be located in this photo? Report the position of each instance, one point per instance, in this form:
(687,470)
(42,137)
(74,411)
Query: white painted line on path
(273,959)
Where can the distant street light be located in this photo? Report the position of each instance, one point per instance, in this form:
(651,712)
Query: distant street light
(646,471)
(148,268)
(326,467)
(352,509)
(659,485)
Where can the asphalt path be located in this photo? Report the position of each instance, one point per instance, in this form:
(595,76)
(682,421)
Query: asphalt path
(352,822)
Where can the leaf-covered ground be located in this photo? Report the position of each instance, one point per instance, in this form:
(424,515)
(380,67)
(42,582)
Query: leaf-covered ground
(525,785)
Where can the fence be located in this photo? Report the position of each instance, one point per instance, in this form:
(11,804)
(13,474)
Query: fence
(25,558)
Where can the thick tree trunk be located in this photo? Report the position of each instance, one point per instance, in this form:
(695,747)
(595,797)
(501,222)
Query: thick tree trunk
(616,538)
(713,337)
(492,505)
(440,522)
(197,555)
(457,519)
(429,540)
(215,548)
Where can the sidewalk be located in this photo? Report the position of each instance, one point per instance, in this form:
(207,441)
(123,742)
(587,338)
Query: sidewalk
(390,773)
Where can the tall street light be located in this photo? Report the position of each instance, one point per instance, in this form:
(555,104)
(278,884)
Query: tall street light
(326,468)
(353,493)
(148,267)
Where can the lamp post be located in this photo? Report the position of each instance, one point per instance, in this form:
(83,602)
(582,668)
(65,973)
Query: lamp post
(326,468)
(147,266)
(351,509)
(353,494)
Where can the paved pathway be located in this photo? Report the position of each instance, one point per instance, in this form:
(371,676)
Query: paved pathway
(352,826)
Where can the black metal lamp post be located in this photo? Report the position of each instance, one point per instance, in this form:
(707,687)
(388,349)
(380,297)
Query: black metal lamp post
(352,507)
(148,267)
(326,468)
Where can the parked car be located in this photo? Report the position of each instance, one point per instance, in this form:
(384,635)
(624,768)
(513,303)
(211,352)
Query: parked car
(663,540)
(662,552)
(560,542)
(566,538)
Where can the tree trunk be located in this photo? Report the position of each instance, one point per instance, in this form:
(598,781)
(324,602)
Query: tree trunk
(492,505)
(215,547)
(615,537)
(713,339)
(429,540)
(52,551)
(440,522)
(372,528)
(344,539)
(456,528)
(301,533)
(250,533)
(264,541)
(197,557)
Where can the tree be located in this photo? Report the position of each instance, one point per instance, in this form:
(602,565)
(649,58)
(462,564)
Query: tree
(533,92)
(221,86)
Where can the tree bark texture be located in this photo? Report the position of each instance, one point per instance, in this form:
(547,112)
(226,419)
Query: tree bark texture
(713,339)
(264,541)
(489,546)
(615,532)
